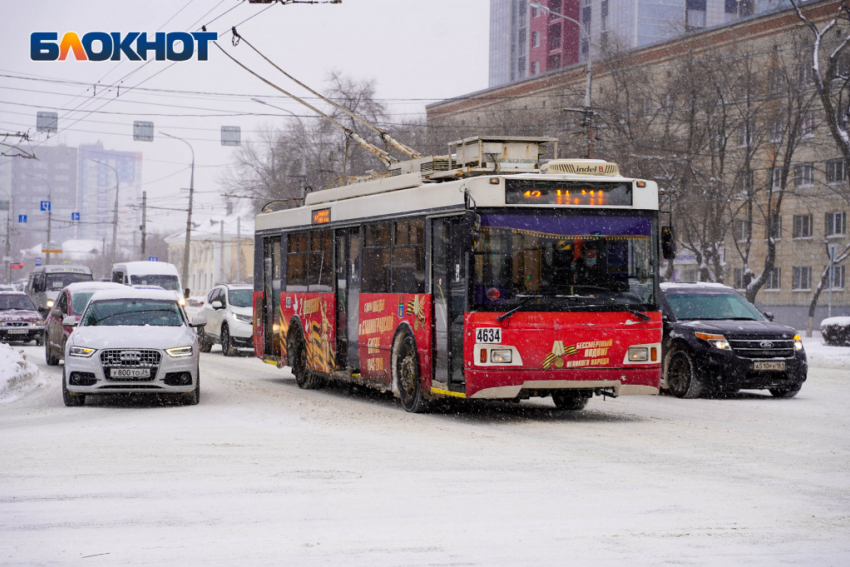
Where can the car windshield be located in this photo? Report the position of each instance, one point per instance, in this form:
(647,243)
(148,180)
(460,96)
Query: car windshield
(588,261)
(163,281)
(23,302)
(133,313)
(60,280)
(241,297)
(79,301)
(687,306)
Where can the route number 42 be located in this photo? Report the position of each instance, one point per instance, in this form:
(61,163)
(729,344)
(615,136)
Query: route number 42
(488,335)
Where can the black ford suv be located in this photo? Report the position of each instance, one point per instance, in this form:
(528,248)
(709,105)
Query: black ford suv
(716,342)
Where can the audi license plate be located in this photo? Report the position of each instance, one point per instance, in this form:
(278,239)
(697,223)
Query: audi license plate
(130,373)
(17,331)
(769,366)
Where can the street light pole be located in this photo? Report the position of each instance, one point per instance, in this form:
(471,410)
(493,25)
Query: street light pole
(185,271)
(588,109)
(112,254)
(49,212)
(7,271)
(303,154)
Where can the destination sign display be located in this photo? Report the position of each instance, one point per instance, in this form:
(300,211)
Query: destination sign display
(321,216)
(552,192)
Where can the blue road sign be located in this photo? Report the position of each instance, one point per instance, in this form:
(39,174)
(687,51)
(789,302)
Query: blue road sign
(22,218)
(75,216)
(38,259)
(153,258)
(45,205)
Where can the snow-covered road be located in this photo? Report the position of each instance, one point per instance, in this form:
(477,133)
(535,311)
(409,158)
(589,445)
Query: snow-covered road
(262,473)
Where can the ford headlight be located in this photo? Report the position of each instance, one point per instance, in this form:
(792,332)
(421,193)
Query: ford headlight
(178,352)
(717,341)
(81,352)
(243,318)
(798,342)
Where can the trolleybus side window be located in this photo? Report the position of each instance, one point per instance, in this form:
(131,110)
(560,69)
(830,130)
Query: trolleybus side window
(408,272)
(376,258)
(321,261)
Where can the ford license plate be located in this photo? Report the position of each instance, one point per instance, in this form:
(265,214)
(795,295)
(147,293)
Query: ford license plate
(769,366)
(17,331)
(130,373)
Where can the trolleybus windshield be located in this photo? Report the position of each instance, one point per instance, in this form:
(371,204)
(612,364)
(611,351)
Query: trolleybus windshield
(567,259)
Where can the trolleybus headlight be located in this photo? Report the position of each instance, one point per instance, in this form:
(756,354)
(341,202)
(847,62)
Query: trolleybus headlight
(178,352)
(81,352)
(501,356)
(717,341)
(798,342)
(638,354)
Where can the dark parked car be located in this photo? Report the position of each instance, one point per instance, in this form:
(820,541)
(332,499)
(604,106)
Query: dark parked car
(715,342)
(19,319)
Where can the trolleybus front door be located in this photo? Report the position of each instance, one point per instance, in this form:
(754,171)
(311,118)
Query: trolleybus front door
(271,287)
(347,296)
(449,292)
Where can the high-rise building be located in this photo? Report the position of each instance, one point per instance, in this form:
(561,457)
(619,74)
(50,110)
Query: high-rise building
(97,182)
(52,177)
(527,41)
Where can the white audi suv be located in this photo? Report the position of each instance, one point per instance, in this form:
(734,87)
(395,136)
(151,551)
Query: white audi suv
(132,341)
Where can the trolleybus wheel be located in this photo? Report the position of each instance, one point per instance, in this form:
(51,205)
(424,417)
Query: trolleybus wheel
(572,401)
(682,380)
(408,377)
(297,355)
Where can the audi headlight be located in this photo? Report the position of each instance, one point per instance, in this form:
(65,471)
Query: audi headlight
(717,341)
(798,342)
(81,352)
(180,351)
(243,318)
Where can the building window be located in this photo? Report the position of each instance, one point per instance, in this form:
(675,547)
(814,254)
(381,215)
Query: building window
(774,279)
(804,175)
(836,171)
(836,223)
(775,131)
(774,229)
(807,77)
(554,6)
(553,62)
(802,226)
(535,67)
(807,127)
(743,230)
(739,278)
(745,135)
(554,37)
(776,178)
(695,14)
(535,39)
(802,277)
(838,277)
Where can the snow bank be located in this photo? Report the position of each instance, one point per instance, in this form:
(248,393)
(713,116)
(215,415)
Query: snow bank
(17,375)
(836,330)
(826,356)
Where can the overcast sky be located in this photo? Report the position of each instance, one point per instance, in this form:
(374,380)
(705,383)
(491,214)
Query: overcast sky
(418,51)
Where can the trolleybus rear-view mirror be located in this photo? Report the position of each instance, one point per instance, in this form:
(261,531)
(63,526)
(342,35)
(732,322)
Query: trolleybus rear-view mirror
(668,243)
(472,223)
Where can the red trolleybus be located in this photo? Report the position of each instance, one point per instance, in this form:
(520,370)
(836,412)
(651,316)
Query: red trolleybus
(473,275)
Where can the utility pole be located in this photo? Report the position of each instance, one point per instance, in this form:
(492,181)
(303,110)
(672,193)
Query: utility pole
(112,254)
(185,270)
(221,247)
(144,226)
(7,270)
(49,219)
(238,249)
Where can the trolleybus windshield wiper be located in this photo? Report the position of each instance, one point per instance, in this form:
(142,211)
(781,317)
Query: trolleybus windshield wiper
(525,299)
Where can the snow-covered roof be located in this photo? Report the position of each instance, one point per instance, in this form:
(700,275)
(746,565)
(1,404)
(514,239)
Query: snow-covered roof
(85,287)
(81,246)
(132,293)
(148,268)
(695,285)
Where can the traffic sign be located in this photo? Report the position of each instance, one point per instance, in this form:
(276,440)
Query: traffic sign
(17,266)
(75,216)
(22,218)
(153,258)
(37,263)
(38,259)
(45,205)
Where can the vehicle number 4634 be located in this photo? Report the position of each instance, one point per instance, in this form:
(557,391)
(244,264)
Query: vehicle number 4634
(488,335)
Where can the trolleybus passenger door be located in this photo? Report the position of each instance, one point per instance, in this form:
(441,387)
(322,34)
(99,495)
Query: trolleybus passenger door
(271,287)
(347,296)
(449,297)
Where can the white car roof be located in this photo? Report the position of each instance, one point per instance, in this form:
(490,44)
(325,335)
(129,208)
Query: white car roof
(85,287)
(695,285)
(133,293)
(148,268)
